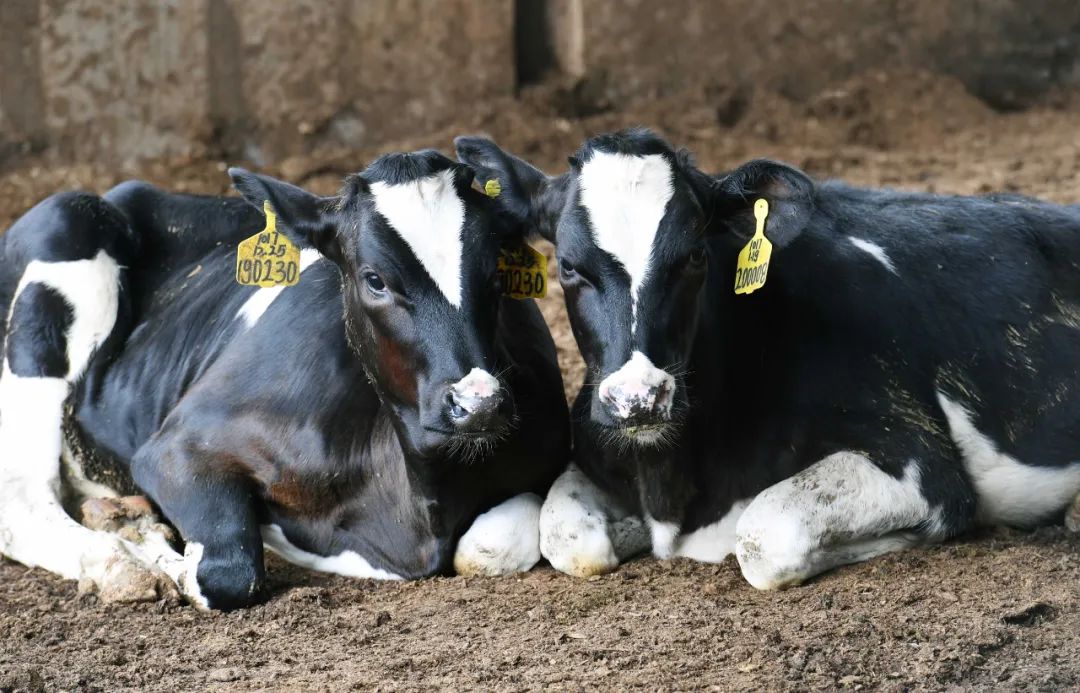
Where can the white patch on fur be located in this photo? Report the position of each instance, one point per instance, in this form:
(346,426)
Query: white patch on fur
(35,530)
(34,527)
(583,531)
(429,215)
(75,477)
(260,301)
(842,509)
(347,563)
(875,251)
(713,543)
(92,289)
(1009,492)
(626,198)
(188,578)
(504,540)
(663,536)
(638,383)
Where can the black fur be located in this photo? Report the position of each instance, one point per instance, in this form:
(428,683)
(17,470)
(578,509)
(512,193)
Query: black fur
(836,352)
(326,417)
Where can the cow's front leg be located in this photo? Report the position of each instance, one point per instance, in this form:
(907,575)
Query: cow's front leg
(842,509)
(504,540)
(1072,516)
(210,501)
(584,531)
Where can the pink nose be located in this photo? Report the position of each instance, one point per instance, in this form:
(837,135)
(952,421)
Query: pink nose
(638,392)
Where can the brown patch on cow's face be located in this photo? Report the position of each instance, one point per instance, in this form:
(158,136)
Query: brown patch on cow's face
(395,369)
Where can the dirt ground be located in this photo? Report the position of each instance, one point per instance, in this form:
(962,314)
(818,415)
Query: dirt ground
(997,610)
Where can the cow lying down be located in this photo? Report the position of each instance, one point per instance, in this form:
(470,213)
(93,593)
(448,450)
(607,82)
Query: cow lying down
(358,422)
(902,368)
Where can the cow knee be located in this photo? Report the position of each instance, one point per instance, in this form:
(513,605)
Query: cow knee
(774,549)
(504,540)
(574,532)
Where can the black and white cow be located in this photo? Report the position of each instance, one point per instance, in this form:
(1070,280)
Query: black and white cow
(356,423)
(910,368)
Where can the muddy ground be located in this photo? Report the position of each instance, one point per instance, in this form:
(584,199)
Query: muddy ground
(1000,609)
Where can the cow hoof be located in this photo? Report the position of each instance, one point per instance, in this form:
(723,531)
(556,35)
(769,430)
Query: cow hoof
(1072,516)
(124,581)
(131,517)
(502,541)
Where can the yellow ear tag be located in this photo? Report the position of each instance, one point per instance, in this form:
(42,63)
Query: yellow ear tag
(522,271)
(753,266)
(268,258)
(492,188)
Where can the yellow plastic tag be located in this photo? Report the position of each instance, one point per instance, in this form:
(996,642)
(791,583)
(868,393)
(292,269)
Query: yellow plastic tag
(753,266)
(522,271)
(268,258)
(492,188)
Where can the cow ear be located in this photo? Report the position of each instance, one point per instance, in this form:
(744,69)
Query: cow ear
(531,197)
(789,192)
(302,216)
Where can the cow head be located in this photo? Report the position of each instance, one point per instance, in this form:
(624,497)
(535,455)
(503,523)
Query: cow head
(636,225)
(417,250)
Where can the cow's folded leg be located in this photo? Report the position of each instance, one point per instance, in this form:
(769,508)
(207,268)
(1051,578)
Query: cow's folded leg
(504,540)
(584,531)
(1072,516)
(62,312)
(842,509)
(212,509)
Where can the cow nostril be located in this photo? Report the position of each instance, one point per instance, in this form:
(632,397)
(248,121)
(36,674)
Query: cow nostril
(454,407)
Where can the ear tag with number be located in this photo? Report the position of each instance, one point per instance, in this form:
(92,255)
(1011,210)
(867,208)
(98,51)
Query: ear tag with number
(522,271)
(492,188)
(268,258)
(753,266)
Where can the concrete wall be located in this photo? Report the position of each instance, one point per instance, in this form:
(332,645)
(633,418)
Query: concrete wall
(124,79)
(1006,51)
(120,79)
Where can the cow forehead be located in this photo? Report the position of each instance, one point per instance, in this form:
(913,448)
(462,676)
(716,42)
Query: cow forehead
(626,197)
(429,215)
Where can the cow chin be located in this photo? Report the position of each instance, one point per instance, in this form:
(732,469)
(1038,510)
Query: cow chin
(657,435)
(473,447)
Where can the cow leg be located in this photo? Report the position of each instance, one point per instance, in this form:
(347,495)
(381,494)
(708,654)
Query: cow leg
(1072,515)
(213,509)
(584,531)
(843,509)
(504,540)
(61,313)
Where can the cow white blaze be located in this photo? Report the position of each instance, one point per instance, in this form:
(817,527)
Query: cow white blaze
(626,198)
(429,215)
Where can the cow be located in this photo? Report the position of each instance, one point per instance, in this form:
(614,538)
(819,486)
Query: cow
(893,369)
(392,415)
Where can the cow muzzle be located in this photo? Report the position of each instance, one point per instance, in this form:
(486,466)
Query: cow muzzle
(473,404)
(638,395)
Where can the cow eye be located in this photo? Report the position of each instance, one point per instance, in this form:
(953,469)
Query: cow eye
(374,283)
(697,256)
(567,271)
